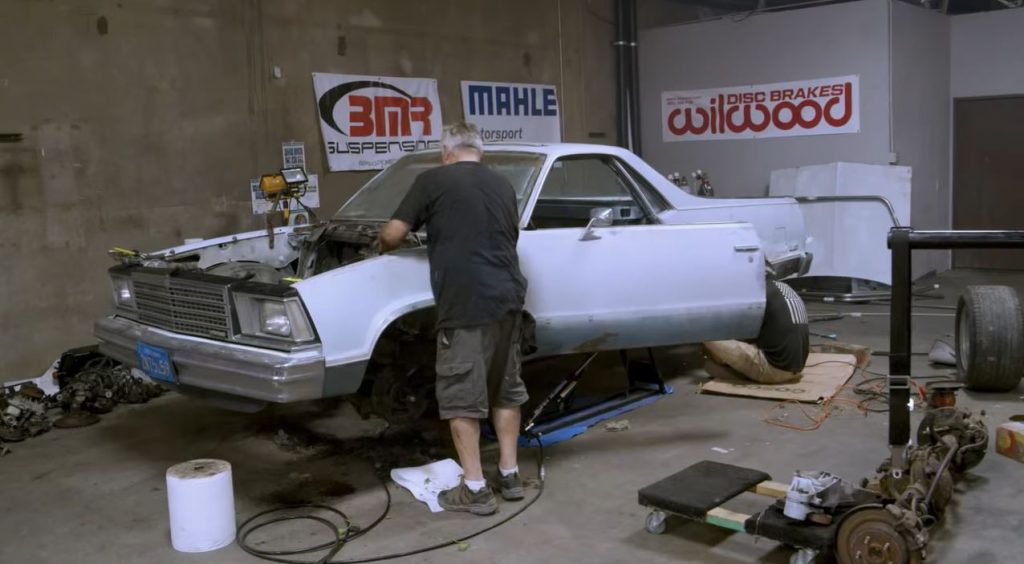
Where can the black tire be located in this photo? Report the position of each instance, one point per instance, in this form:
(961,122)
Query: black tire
(401,395)
(990,338)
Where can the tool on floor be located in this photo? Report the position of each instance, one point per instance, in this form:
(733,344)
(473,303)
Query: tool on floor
(561,415)
(887,518)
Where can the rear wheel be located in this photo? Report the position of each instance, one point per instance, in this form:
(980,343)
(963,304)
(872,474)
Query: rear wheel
(990,338)
(873,536)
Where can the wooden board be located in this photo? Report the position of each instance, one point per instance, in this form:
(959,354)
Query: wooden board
(824,376)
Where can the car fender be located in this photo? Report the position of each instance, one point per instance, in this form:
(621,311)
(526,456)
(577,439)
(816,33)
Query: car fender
(353,305)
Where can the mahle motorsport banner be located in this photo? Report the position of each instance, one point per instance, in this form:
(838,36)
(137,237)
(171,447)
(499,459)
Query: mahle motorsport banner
(368,122)
(510,112)
(785,109)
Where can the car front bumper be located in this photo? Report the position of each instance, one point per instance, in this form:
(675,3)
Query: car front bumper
(223,368)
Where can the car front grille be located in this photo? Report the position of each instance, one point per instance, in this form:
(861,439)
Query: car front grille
(182,305)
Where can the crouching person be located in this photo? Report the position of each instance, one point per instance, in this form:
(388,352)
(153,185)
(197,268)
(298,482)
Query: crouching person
(780,352)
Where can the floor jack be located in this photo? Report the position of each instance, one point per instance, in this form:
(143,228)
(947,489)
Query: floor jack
(561,416)
(885,519)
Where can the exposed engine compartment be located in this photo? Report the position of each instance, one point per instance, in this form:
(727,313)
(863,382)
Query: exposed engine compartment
(336,244)
(305,251)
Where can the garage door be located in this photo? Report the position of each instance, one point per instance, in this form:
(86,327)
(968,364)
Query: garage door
(988,175)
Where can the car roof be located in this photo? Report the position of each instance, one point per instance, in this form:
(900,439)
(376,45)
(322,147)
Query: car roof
(552,149)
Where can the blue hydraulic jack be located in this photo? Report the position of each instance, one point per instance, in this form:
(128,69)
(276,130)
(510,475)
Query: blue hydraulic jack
(557,418)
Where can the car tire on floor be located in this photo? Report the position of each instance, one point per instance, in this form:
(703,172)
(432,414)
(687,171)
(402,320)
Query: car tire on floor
(990,338)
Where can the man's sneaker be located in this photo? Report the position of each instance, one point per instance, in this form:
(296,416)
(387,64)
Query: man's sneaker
(461,498)
(511,487)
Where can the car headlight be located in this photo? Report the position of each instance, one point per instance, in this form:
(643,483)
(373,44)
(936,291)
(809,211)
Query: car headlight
(124,296)
(274,318)
(279,318)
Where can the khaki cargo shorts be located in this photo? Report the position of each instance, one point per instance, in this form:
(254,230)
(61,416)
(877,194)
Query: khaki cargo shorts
(479,368)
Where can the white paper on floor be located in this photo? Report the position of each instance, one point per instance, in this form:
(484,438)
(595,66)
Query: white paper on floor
(45,382)
(425,482)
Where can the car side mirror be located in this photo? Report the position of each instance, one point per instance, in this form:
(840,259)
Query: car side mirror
(599,217)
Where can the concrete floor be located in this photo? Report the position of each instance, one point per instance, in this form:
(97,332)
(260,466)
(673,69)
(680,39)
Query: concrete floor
(96,495)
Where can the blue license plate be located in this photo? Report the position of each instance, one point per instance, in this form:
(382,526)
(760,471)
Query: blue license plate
(155,362)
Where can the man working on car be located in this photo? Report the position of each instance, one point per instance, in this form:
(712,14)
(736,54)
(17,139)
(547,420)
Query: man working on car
(782,344)
(471,217)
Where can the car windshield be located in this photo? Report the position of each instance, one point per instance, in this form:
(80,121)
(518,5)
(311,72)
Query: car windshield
(380,198)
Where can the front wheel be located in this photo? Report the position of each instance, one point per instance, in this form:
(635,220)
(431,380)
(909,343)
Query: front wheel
(402,394)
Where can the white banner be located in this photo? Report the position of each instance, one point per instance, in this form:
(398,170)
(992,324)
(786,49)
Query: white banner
(510,112)
(785,109)
(368,122)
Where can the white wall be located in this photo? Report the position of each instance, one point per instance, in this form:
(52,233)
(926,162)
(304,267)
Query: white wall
(820,42)
(921,108)
(987,54)
(901,53)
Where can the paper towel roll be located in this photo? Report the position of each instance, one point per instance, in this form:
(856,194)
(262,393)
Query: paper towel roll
(201,504)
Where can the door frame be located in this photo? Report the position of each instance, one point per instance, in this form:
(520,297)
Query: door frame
(953,208)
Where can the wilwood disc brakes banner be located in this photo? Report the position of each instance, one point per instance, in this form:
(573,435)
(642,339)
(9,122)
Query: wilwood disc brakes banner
(786,109)
(368,122)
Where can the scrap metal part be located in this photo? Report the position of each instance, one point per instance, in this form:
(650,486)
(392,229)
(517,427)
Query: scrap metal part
(101,385)
(23,413)
(90,383)
(816,492)
(877,535)
(76,418)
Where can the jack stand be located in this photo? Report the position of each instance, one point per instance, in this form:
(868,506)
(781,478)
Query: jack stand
(644,385)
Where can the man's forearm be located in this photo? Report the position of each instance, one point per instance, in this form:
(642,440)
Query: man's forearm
(392,235)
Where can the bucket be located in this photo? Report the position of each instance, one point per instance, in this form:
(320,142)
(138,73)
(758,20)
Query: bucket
(201,505)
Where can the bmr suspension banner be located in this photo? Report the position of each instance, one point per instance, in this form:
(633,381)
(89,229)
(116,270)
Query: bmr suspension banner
(368,122)
(508,112)
(786,109)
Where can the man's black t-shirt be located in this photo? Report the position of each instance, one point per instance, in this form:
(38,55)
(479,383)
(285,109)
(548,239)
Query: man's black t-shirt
(784,336)
(472,229)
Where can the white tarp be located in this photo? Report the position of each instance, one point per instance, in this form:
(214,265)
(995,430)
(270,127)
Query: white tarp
(848,239)
(368,122)
(511,112)
(784,109)
(426,482)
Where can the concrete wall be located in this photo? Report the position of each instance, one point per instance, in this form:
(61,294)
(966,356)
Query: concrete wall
(144,119)
(775,47)
(921,106)
(986,57)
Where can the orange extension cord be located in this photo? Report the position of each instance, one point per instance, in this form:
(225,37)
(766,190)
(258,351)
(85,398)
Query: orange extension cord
(819,414)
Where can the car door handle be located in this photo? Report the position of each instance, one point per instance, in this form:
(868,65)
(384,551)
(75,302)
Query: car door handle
(746,248)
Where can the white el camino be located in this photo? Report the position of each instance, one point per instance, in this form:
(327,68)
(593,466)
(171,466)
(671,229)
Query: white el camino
(617,257)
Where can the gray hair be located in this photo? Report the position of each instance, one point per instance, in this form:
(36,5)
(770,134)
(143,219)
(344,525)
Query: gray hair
(462,135)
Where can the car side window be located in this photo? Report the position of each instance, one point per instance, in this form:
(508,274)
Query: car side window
(576,185)
(655,199)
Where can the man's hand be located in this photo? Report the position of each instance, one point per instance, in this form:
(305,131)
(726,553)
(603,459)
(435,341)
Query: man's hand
(392,235)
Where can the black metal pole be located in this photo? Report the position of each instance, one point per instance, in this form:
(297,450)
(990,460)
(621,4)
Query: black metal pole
(899,346)
(634,79)
(967,239)
(626,73)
